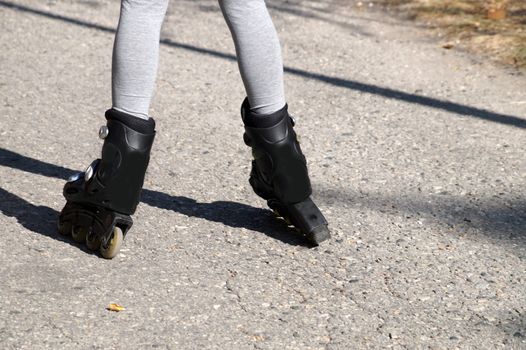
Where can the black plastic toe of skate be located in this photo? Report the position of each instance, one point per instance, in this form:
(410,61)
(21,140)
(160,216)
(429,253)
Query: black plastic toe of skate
(318,235)
(305,217)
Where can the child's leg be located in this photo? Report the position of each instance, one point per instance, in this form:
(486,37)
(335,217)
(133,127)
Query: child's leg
(279,170)
(101,199)
(136,55)
(258,53)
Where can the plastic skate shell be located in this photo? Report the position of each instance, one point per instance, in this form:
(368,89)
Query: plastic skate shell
(279,172)
(306,217)
(101,199)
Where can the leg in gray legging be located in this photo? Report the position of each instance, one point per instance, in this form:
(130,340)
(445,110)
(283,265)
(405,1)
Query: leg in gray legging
(136,54)
(258,53)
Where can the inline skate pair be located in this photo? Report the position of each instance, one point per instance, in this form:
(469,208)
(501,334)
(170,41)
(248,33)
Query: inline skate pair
(101,200)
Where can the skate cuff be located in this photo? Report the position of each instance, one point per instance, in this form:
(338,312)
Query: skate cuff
(253,120)
(140,125)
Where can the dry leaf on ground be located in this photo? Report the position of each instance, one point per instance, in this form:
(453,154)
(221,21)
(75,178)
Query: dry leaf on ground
(115,307)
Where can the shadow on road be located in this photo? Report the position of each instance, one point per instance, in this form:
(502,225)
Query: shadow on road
(453,107)
(332,12)
(510,322)
(231,214)
(504,220)
(330,15)
(37,218)
(17,161)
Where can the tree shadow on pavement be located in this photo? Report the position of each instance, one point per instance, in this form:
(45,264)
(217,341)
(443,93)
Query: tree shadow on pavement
(231,214)
(432,102)
(332,12)
(513,324)
(318,15)
(503,219)
(296,9)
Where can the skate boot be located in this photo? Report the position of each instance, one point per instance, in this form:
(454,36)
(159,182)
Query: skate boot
(279,172)
(101,199)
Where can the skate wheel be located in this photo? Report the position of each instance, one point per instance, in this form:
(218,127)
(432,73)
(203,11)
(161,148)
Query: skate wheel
(79,234)
(92,242)
(64,228)
(114,245)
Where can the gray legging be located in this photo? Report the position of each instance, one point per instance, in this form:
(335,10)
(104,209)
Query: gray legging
(136,54)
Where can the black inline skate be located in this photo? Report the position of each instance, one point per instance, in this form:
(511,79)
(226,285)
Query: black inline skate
(101,199)
(279,172)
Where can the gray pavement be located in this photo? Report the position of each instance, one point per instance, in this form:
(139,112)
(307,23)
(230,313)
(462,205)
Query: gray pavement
(417,160)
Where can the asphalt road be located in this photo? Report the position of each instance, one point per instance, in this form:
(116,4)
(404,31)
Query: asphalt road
(416,155)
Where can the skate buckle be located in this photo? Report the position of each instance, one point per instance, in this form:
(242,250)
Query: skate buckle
(90,170)
(103,132)
(74,177)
